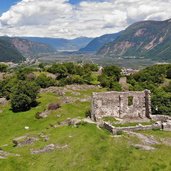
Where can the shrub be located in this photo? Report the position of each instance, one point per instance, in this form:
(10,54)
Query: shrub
(169,73)
(20,102)
(88,113)
(111,71)
(54,106)
(43,81)
(74,79)
(3,68)
(119,132)
(23,96)
(22,73)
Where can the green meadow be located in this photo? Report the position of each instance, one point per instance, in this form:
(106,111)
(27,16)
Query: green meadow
(89,147)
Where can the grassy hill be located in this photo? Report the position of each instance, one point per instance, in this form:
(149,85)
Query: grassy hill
(89,148)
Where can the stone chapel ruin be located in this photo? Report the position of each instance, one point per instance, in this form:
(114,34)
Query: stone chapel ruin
(134,105)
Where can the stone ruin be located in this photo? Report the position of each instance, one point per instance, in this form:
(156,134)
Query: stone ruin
(134,105)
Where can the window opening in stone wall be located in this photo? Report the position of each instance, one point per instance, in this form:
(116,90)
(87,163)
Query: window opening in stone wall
(130,100)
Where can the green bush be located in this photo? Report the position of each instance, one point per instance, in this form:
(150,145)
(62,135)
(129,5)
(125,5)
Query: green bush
(43,81)
(3,67)
(20,102)
(23,96)
(112,71)
(169,73)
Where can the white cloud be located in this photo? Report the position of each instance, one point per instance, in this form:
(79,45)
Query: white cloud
(58,18)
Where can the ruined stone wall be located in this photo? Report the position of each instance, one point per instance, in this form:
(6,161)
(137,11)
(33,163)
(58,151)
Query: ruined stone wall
(115,130)
(132,105)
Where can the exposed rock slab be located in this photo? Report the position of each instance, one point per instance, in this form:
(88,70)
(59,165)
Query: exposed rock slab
(144,147)
(4,154)
(43,114)
(24,140)
(48,148)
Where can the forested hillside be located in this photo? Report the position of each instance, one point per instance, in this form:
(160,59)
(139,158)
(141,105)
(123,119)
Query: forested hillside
(8,52)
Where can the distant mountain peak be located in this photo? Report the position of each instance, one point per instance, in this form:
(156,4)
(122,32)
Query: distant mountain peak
(151,39)
(99,42)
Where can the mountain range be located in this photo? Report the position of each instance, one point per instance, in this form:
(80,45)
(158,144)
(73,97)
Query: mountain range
(99,42)
(17,49)
(60,44)
(146,39)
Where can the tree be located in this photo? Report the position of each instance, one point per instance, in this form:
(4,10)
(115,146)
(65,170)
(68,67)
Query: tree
(23,96)
(112,71)
(161,102)
(20,102)
(169,73)
(42,66)
(91,67)
(7,86)
(168,87)
(22,73)
(115,86)
(104,80)
(3,68)
(74,79)
(59,69)
(43,81)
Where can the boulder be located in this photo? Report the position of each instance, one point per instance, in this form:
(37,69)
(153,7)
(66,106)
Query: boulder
(54,106)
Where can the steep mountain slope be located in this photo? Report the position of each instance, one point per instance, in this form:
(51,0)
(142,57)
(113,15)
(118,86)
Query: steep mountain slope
(8,52)
(150,39)
(99,42)
(62,44)
(30,48)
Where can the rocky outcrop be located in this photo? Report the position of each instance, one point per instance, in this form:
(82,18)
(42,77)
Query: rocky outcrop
(24,140)
(48,148)
(4,154)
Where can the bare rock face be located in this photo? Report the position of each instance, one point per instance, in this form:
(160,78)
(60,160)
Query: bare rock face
(141,39)
(24,140)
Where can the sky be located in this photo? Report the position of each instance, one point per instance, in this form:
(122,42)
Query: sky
(76,18)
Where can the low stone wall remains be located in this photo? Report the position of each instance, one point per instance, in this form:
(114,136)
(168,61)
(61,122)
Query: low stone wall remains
(115,130)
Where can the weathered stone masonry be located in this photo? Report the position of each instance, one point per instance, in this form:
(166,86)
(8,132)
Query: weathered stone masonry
(131,105)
